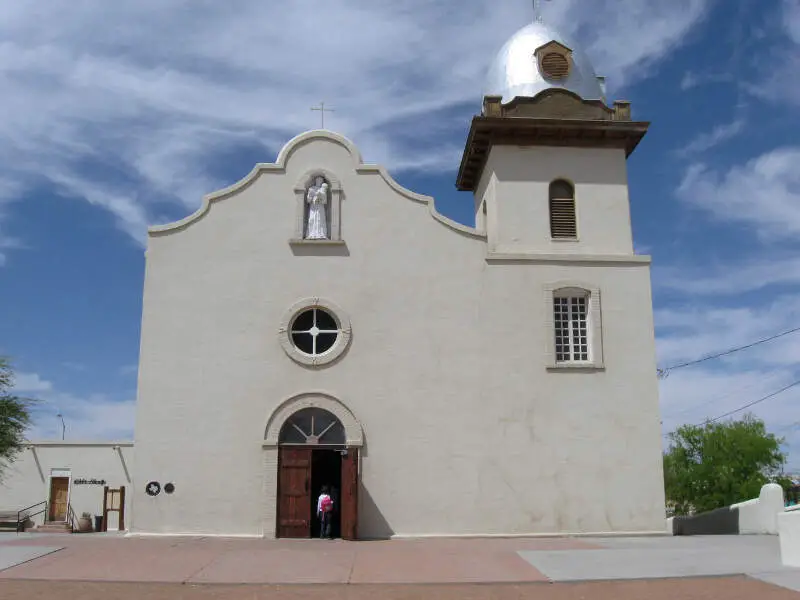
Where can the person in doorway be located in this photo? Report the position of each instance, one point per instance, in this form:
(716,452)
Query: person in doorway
(324,513)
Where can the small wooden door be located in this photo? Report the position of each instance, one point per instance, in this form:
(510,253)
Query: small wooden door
(114,502)
(350,495)
(294,494)
(59,491)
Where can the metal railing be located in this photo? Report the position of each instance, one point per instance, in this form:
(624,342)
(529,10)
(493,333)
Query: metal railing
(24,514)
(39,508)
(71,518)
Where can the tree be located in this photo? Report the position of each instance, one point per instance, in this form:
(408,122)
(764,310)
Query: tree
(15,417)
(718,464)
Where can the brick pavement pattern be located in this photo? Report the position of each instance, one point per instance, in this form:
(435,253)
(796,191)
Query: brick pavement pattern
(242,561)
(730,588)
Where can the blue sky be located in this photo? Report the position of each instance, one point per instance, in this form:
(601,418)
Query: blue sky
(123,114)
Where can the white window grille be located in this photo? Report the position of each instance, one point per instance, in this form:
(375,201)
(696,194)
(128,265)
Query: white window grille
(570,317)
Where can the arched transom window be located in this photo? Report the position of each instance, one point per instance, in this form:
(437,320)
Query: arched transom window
(563,221)
(312,426)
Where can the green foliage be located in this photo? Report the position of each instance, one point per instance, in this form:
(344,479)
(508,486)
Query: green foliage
(15,417)
(717,464)
(785,483)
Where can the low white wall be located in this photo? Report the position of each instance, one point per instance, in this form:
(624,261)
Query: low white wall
(789,531)
(749,516)
(26,481)
(759,516)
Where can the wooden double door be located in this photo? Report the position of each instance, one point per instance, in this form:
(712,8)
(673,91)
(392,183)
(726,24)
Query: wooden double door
(302,471)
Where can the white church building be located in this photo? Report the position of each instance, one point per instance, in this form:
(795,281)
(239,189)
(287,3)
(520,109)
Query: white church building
(316,324)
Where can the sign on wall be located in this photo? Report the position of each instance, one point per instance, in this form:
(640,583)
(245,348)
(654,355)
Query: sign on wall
(89,481)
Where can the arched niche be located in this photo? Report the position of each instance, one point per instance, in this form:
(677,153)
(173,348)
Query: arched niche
(334,219)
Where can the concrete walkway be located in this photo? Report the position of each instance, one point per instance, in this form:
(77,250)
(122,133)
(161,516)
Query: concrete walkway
(219,561)
(657,558)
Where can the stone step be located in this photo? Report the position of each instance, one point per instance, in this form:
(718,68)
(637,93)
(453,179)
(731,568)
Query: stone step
(52,527)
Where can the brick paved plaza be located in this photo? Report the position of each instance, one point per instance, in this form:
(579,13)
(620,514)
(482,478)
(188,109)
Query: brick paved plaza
(730,588)
(105,567)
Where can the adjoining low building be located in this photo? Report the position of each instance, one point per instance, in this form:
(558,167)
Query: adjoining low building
(57,482)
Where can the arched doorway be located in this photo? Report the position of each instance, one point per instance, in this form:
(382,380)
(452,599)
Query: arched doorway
(317,442)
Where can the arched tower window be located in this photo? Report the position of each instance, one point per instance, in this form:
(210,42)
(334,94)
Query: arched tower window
(563,221)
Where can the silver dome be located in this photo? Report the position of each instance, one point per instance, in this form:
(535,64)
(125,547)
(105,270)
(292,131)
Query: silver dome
(515,70)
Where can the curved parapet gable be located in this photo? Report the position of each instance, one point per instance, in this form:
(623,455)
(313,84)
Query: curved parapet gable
(279,166)
(406,193)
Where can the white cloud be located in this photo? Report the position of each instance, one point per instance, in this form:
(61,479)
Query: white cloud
(692,80)
(632,35)
(763,193)
(9,192)
(686,334)
(710,389)
(74,366)
(30,383)
(129,370)
(125,104)
(696,394)
(730,279)
(130,216)
(791,19)
(705,141)
(94,417)
(780,83)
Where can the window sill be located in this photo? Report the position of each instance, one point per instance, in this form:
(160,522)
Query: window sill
(576,366)
(304,242)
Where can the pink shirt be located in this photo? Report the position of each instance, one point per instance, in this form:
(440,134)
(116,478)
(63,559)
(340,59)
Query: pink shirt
(319,502)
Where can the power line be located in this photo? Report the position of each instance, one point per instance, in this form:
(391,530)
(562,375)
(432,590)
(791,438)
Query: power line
(773,376)
(748,405)
(759,401)
(666,371)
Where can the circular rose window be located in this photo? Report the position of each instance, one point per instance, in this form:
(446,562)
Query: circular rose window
(315,332)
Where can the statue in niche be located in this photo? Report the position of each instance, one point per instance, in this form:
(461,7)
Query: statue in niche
(317,200)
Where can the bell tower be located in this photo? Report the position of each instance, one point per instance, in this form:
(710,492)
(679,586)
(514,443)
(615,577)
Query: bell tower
(546,158)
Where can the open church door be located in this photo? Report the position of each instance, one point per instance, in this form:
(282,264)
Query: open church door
(294,495)
(350,494)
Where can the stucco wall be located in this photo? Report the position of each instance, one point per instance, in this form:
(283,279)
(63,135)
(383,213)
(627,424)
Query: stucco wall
(789,531)
(759,515)
(465,430)
(27,480)
(520,180)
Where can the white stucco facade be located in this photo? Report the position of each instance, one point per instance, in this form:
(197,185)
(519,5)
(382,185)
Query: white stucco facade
(446,377)
(466,424)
